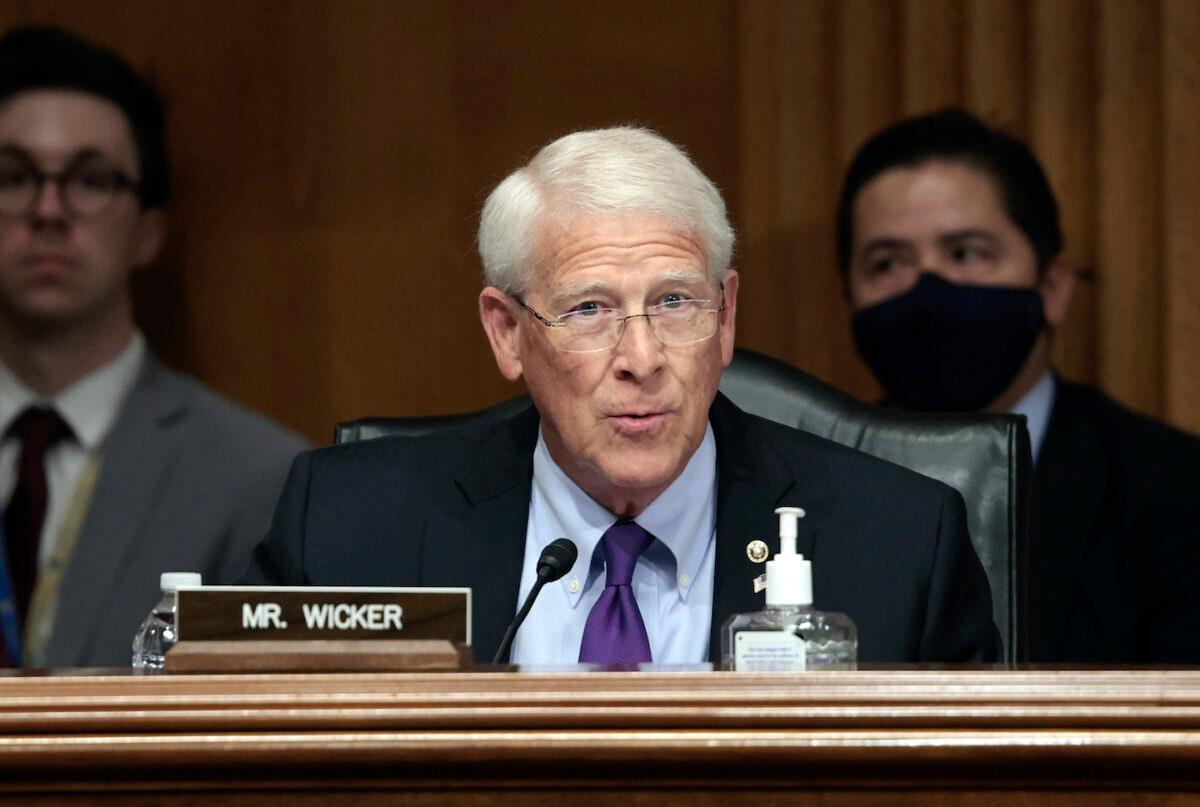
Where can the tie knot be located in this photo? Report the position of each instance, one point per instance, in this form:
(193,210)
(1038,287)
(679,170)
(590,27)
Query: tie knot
(39,427)
(623,542)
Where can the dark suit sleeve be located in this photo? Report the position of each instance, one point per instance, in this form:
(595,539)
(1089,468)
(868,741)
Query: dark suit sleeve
(279,559)
(958,617)
(1169,553)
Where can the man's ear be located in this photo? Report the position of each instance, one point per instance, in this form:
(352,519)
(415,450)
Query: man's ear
(726,330)
(151,235)
(503,328)
(1056,287)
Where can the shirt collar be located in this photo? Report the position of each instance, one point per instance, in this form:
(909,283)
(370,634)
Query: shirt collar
(682,517)
(1036,406)
(89,406)
(15,398)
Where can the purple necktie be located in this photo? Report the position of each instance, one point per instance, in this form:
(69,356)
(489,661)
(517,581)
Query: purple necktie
(615,632)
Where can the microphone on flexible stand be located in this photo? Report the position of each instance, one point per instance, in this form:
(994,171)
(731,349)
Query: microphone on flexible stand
(557,559)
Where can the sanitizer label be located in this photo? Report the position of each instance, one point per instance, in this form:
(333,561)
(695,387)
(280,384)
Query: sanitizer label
(764,651)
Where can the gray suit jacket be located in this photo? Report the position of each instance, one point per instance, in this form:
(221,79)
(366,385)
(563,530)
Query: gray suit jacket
(188,483)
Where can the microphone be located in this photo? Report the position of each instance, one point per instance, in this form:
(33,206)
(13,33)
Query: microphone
(556,560)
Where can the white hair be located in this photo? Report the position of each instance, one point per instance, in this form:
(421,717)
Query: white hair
(620,170)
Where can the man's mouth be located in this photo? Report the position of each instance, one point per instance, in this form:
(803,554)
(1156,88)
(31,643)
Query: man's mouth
(47,261)
(638,421)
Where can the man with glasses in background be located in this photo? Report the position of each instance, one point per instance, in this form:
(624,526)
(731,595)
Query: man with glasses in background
(113,469)
(609,291)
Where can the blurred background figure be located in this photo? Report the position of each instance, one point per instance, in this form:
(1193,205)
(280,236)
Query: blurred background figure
(113,468)
(951,253)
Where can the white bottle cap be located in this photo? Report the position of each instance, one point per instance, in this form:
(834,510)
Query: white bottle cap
(170,581)
(789,575)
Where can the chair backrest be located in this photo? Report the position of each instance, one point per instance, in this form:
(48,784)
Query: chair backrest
(985,457)
(369,428)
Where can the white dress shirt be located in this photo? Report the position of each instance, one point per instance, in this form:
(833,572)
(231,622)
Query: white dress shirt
(673,579)
(1036,406)
(89,406)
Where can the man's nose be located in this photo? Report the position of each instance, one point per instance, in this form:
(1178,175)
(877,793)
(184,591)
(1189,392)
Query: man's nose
(639,352)
(49,203)
(936,263)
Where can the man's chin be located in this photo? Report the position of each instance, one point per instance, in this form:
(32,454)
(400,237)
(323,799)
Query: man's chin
(45,312)
(649,477)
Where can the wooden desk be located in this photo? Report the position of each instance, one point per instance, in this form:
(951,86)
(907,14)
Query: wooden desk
(865,738)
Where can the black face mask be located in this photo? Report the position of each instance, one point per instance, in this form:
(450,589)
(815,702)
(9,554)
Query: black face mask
(947,347)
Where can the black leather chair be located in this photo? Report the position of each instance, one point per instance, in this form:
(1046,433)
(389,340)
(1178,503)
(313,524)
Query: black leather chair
(986,457)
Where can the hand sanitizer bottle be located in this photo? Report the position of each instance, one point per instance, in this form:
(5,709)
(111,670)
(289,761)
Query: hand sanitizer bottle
(789,635)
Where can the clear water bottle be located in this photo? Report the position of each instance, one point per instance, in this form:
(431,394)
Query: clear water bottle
(157,634)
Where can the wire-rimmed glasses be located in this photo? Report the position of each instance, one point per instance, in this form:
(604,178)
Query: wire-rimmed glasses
(673,322)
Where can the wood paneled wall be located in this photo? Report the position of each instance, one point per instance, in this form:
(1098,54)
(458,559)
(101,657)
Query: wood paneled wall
(331,158)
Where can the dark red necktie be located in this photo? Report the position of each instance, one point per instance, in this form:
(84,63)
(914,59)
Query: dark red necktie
(37,430)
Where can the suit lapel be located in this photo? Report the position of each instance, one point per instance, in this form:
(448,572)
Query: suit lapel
(137,457)
(1069,481)
(483,545)
(752,480)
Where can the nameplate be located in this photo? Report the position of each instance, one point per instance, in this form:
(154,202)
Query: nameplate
(257,613)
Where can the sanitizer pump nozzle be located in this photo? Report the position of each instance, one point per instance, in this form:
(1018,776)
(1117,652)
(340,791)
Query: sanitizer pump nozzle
(789,575)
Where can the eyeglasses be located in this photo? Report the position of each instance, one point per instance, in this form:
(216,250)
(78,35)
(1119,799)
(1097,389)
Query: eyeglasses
(87,186)
(673,322)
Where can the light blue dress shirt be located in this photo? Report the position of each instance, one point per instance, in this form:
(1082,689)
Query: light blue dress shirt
(673,580)
(1036,406)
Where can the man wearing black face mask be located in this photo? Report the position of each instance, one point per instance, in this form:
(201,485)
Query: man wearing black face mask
(950,249)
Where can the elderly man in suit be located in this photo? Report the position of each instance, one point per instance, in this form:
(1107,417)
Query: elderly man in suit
(951,253)
(113,468)
(609,291)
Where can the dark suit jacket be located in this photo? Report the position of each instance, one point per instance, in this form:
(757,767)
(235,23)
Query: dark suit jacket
(1115,550)
(889,547)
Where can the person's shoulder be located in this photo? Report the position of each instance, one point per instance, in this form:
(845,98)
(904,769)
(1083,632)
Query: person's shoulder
(487,440)
(220,422)
(1132,434)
